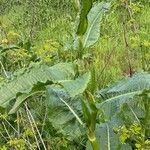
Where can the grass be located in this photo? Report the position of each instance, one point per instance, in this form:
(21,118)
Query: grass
(111,57)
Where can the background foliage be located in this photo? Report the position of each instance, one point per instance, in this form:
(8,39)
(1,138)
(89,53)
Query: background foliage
(43,32)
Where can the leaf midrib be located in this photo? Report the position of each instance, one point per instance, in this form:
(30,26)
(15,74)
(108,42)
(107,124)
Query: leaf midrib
(118,96)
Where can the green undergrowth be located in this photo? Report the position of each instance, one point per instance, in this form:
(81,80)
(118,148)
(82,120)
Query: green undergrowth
(40,34)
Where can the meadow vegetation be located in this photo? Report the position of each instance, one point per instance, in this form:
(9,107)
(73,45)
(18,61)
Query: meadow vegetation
(74,75)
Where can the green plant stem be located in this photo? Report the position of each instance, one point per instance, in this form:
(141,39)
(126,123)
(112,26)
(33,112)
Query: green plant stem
(4,69)
(32,127)
(29,144)
(95,145)
(147,114)
(92,121)
(80,48)
(93,141)
(34,123)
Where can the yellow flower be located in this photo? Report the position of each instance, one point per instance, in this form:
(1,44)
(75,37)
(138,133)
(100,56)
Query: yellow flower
(4,41)
(4,148)
(12,33)
(146,43)
(138,146)
(28,132)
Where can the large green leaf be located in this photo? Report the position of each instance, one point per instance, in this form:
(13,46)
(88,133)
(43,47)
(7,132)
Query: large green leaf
(77,86)
(64,113)
(64,103)
(93,29)
(125,91)
(4,48)
(83,24)
(28,79)
(107,139)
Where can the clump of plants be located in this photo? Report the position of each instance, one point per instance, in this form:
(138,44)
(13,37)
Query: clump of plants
(52,103)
